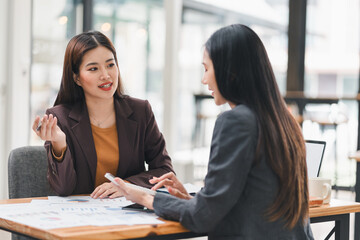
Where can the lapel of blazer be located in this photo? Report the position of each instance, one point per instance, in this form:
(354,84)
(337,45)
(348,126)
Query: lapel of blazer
(126,129)
(82,131)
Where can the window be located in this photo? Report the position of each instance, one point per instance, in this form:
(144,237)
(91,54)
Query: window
(331,71)
(137,30)
(201,18)
(197,111)
(332,47)
(54,23)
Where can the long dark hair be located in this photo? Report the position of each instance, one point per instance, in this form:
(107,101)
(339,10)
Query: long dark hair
(70,92)
(244,75)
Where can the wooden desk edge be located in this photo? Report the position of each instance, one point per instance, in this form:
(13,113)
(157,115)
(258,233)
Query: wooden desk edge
(97,232)
(93,232)
(335,207)
(119,231)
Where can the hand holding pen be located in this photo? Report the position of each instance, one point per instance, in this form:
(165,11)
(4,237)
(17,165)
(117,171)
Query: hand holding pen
(48,130)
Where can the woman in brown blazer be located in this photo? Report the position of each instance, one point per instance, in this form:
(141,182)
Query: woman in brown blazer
(94,128)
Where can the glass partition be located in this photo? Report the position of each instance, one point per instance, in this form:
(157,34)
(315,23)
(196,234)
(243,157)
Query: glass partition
(54,23)
(331,72)
(197,110)
(332,48)
(137,29)
(270,21)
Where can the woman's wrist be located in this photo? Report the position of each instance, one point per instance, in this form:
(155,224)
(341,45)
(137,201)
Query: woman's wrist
(148,201)
(58,147)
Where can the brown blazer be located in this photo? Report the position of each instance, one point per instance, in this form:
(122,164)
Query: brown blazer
(139,141)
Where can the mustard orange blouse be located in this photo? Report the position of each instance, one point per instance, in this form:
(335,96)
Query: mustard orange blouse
(107,152)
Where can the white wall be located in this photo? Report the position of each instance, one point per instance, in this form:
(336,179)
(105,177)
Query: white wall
(14,80)
(3,77)
(4,5)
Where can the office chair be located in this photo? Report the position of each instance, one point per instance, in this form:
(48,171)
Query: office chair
(27,169)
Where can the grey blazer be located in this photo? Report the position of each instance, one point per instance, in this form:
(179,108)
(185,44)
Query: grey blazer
(237,191)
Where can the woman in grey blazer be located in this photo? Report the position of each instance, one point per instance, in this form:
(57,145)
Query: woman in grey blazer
(256,185)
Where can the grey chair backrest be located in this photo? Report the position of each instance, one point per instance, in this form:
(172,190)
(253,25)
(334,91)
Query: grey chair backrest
(27,169)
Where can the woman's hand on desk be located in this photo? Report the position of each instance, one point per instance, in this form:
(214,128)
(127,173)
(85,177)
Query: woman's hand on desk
(172,184)
(50,131)
(106,190)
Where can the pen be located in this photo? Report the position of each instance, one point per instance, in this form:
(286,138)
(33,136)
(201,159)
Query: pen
(39,126)
(162,190)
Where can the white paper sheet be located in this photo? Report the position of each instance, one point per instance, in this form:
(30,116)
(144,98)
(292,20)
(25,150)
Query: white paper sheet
(62,212)
(121,201)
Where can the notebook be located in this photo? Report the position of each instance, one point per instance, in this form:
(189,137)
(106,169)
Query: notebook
(314,155)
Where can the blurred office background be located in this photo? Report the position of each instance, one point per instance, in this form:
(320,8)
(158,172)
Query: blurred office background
(160,45)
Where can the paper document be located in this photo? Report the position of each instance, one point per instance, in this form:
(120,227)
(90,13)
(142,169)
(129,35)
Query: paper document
(72,211)
(121,201)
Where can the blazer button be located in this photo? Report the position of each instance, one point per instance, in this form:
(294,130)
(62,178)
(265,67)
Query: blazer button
(54,172)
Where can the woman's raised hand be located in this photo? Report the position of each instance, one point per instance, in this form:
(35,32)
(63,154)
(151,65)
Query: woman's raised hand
(50,131)
(172,184)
